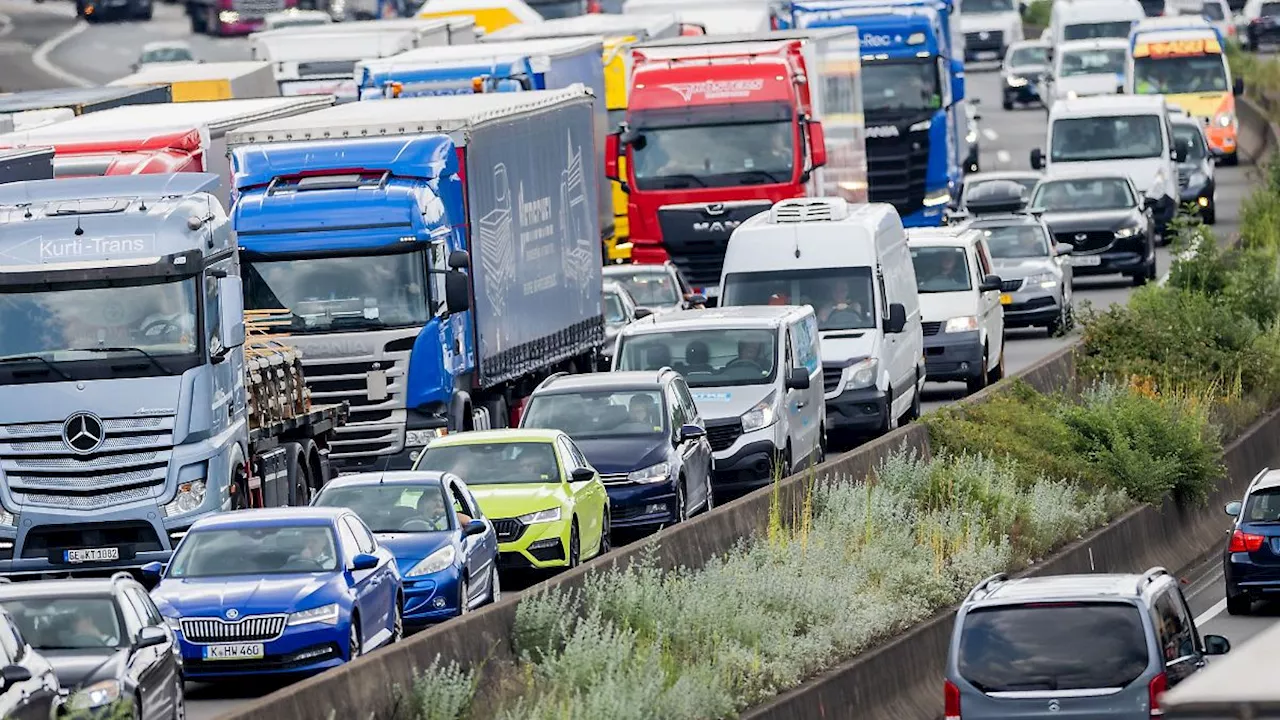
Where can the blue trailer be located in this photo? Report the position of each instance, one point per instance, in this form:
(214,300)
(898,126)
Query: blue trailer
(913,97)
(350,220)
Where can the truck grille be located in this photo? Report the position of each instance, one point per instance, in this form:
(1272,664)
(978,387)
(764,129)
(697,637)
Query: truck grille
(129,463)
(931,328)
(896,168)
(1011,285)
(257,9)
(255,628)
(723,433)
(831,379)
(696,235)
(1091,242)
(508,529)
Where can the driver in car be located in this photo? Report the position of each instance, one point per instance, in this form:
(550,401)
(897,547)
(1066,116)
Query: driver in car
(89,632)
(752,352)
(840,302)
(431,509)
(316,550)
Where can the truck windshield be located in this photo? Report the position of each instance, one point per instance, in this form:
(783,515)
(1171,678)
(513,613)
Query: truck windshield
(900,88)
(340,294)
(1176,75)
(986,6)
(77,323)
(709,357)
(1091,31)
(1094,61)
(713,146)
(843,296)
(1106,137)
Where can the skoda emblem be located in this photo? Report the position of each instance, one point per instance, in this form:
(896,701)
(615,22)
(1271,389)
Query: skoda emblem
(83,433)
(1082,236)
(1053,706)
(233,613)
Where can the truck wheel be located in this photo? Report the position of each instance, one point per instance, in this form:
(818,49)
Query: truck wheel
(196,13)
(238,484)
(293,492)
(499,415)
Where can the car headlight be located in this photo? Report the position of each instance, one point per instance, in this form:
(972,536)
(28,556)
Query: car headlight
(761,416)
(190,497)
(937,197)
(1224,120)
(433,563)
(175,624)
(1046,281)
(652,474)
(921,126)
(862,374)
(1016,82)
(327,614)
(96,695)
(961,324)
(542,516)
(971,138)
(1128,232)
(421,438)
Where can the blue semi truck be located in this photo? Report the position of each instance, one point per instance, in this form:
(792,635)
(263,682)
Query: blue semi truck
(913,91)
(352,221)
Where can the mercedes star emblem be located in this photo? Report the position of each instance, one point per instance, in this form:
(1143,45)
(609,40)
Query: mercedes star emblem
(232,614)
(83,433)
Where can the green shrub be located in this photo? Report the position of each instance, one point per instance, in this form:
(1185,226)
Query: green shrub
(1037,13)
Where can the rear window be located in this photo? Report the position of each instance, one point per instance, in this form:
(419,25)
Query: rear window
(1078,646)
(1269,10)
(1263,507)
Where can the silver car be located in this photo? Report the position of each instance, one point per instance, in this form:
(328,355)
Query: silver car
(620,310)
(658,288)
(1035,272)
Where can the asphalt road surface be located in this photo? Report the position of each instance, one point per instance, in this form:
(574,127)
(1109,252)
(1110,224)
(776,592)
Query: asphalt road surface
(42,45)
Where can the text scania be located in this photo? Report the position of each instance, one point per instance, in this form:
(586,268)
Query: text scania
(80,247)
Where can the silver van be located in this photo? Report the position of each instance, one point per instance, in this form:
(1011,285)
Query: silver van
(1101,646)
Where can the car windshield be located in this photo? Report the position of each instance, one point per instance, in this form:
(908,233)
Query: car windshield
(843,296)
(1016,241)
(712,357)
(986,6)
(1106,137)
(712,148)
(613,311)
(1190,135)
(650,289)
(894,89)
(499,463)
(1093,31)
(1029,55)
(598,414)
(255,550)
(166,54)
(61,324)
(1055,647)
(1083,195)
(324,295)
(392,508)
(1263,506)
(1269,10)
(1094,61)
(1212,12)
(941,269)
(67,623)
(1176,75)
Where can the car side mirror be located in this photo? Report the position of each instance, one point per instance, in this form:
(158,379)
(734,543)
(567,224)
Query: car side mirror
(13,674)
(696,300)
(150,636)
(1066,248)
(457,291)
(643,312)
(1233,508)
(582,474)
(817,144)
(152,571)
(897,321)
(1237,88)
(798,379)
(231,304)
(692,432)
(1216,645)
(989,283)
(475,527)
(612,151)
(364,561)
(1180,152)
(1037,159)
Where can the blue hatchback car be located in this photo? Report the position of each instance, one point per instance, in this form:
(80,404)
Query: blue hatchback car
(1251,560)
(445,548)
(293,590)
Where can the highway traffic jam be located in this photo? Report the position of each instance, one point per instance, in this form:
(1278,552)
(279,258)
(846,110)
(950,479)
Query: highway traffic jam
(478,290)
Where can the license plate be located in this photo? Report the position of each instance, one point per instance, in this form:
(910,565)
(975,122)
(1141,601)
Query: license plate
(987,55)
(1086,260)
(76,557)
(1006,299)
(240,651)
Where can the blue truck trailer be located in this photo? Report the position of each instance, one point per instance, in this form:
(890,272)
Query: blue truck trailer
(131,401)
(913,90)
(355,222)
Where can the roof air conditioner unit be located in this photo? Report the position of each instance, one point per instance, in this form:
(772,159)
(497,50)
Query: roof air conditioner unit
(798,210)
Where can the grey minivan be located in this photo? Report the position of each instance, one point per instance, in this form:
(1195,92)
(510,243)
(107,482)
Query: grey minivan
(1099,646)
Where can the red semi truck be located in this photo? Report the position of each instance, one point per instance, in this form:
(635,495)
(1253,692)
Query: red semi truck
(719,128)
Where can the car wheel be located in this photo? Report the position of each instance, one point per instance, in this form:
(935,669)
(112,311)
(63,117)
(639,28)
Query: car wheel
(711,490)
(1140,279)
(997,372)
(890,420)
(355,647)
(916,403)
(682,502)
(575,546)
(1239,604)
(495,586)
(979,381)
(1007,104)
(1210,214)
(1231,160)
(179,700)
(464,596)
(397,623)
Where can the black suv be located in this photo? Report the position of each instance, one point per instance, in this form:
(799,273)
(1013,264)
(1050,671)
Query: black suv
(642,431)
(105,640)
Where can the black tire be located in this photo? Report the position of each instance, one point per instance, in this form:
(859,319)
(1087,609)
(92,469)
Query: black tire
(711,489)
(464,595)
(682,501)
(1007,104)
(575,546)
(355,642)
(297,490)
(606,530)
(499,414)
(146,14)
(890,422)
(1239,605)
(1210,214)
(916,410)
(197,16)
(240,499)
(397,625)
(997,372)
(495,585)
(978,382)
(179,700)
(1231,160)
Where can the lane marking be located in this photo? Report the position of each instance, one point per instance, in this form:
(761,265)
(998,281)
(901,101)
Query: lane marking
(41,57)
(6,24)
(990,134)
(1211,613)
(1003,157)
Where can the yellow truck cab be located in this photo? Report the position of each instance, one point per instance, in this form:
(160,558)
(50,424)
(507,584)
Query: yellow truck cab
(619,32)
(490,15)
(1182,58)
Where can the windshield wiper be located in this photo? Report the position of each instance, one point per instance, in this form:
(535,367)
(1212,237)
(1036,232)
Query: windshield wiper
(140,351)
(764,173)
(686,177)
(25,358)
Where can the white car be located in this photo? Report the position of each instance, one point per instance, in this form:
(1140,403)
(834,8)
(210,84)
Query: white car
(1083,68)
(165,52)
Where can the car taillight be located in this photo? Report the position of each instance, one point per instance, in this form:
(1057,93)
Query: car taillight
(1158,685)
(952,695)
(1242,541)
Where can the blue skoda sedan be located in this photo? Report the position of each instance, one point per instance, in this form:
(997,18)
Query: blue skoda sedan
(445,548)
(295,590)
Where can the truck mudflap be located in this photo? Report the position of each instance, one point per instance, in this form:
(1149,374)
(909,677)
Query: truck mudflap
(696,235)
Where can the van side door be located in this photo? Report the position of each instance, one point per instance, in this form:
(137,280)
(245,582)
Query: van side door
(992,319)
(809,357)
(798,404)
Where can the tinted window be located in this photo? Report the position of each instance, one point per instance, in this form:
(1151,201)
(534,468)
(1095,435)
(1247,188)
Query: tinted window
(1109,137)
(1031,55)
(650,289)
(364,540)
(166,54)
(941,269)
(1188,134)
(1107,61)
(1085,194)
(613,312)
(392,508)
(50,623)
(494,463)
(601,414)
(1053,647)
(1017,241)
(733,356)
(1173,627)
(987,6)
(1090,31)
(1262,506)
(842,296)
(255,551)
(148,609)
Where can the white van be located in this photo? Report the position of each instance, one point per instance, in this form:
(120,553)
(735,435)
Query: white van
(960,304)
(990,27)
(756,376)
(1121,133)
(1084,68)
(851,263)
(1092,19)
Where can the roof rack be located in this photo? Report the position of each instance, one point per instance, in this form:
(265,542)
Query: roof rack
(550,377)
(1258,477)
(985,584)
(1149,577)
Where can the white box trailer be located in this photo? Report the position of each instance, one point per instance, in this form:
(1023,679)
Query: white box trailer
(32,119)
(136,122)
(202,82)
(714,17)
